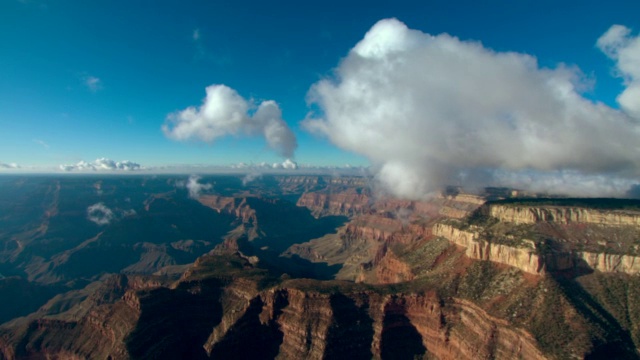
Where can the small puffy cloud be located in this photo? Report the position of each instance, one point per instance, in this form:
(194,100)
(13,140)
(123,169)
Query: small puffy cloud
(224,112)
(618,44)
(288,164)
(434,110)
(195,188)
(99,214)
(92,83)
(103,164)
(251,177)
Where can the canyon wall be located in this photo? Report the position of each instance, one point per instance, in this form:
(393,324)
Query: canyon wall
(204,317)
(352,202)
(523,258)
(345,203)
(364,325)
(611,262)
(563,215)
(528,260)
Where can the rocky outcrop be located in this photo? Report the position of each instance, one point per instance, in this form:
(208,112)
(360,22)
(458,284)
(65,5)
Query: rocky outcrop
(482,336)
(523,258)
(237,207)
(363,325)
(352,202)
(611,262)
(231,316)
(528,260)
(306,183)
(362,244)
(391,270)
(564,215)
(345,203)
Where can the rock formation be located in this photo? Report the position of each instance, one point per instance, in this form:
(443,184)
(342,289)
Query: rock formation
(228,313)
(563,215)
(449,277)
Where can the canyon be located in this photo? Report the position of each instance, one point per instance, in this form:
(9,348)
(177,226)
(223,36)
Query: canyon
(320,267)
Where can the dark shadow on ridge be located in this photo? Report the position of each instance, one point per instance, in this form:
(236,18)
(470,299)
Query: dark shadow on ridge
(351,334)
(248,338)
(399,338)
(182,318)
(618,343)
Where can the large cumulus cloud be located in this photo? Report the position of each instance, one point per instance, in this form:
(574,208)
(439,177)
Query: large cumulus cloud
(435,110)
(224,112)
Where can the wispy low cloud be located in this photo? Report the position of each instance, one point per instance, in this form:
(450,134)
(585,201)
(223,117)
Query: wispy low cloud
(42,143)
(193,185)
(225,113)
(9,166)
(256,171)
(100,214)
(434,110)
(103,164)
(251,177)
(92,83)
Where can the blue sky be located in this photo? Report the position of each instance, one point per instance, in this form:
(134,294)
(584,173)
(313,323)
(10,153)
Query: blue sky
(81,80)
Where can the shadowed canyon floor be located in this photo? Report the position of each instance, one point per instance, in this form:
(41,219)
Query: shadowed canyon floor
(243,272)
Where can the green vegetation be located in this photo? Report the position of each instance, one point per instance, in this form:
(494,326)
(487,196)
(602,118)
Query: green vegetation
(619,296)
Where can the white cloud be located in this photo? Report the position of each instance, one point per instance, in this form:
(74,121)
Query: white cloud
(92,83)
(566,182)
(99,214)
(42,143)
(432,110)
(251,177)
(288,164)
(102,164)
(617,44)
(128,213)
(224,112)
(195,188)
(9,166)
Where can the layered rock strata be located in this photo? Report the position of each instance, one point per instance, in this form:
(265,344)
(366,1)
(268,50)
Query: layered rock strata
(223,317)
(563,215)
(528,259)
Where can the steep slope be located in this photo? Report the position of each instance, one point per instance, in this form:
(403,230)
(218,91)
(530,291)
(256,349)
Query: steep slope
(224,307)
